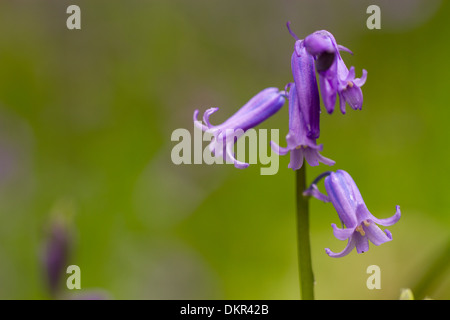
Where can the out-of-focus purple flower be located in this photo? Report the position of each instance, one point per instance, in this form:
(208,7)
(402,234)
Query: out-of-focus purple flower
(262,106)
(360,225)
(334,76)
(56,253)
(298,143)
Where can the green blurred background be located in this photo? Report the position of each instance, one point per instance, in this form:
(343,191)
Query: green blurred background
(86,118)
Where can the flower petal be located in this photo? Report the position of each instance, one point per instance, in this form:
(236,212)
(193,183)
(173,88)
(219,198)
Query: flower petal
(361,243)
(296,159)
(329,87)
(342,103)
(257,114)
(361,81)
(342,48)
(307,92)
(388,221)
(279,150)
(354,192)
(257,100)
(375,234)
(198,123)
(347,250)
(339,191)
(319,42)
(313,157)
(230,156)
(353,96)
(351,74)
(258,109)
(325,160)
(217,147)
(207,114)
(312,191)
(342,234)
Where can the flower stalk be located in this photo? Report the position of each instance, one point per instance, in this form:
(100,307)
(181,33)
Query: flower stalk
(306,275)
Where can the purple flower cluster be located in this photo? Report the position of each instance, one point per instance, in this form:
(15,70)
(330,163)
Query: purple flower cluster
(317,52)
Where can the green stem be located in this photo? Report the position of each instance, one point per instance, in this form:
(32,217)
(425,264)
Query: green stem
(303,243)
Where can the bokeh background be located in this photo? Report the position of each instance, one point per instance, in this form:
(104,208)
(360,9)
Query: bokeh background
(86,118)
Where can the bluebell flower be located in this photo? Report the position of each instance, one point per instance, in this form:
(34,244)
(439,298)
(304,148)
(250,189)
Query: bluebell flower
(334,76)
(302,66)
(261,107)
(359,225)
(299,144)
(304,111)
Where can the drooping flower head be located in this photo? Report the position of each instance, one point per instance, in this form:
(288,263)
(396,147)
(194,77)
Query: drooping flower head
(360,225)
(299,144)
(334,76)
(304,111)
(261,107)
(302,66)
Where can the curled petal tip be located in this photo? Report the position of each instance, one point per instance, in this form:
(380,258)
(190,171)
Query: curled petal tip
(398,213)
(342,48)
(230,156)
(279,150)
(361,81)
(198,123)
(240,165)
(388,221)
(388,234)
(210,111)
(207,114)
(195,117)
(339,254)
